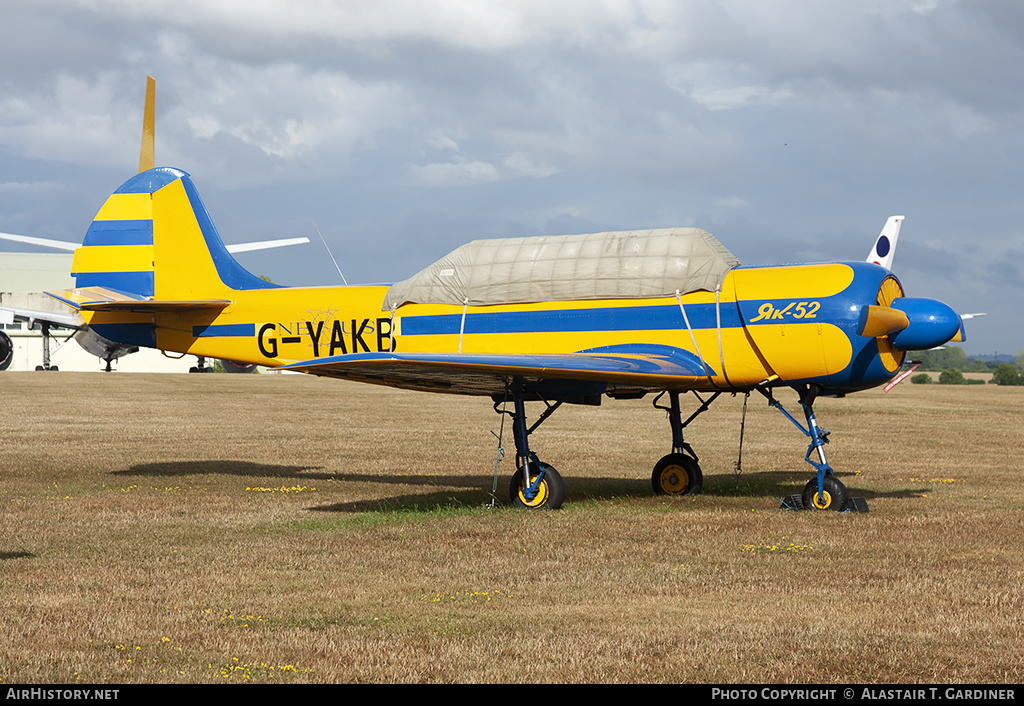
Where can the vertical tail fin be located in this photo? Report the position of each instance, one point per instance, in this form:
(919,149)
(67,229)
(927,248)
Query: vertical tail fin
(885,246)
(154,238)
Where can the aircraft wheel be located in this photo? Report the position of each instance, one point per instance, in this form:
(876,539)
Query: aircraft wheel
(6,351)
(677,474)
(550,490)
(231,366)
(834,495)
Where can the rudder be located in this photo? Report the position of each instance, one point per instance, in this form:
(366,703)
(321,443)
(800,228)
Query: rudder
(154,238)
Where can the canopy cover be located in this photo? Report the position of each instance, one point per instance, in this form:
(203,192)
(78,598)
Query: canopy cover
(629,264)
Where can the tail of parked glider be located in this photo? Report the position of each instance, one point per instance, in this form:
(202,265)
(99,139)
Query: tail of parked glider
(885,245)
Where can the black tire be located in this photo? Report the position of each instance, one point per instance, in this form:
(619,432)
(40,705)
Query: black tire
(550,491)
(835,495)
(6,351)
(231,366)
(677,474)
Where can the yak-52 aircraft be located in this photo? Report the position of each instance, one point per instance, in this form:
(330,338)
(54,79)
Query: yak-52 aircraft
(559,319)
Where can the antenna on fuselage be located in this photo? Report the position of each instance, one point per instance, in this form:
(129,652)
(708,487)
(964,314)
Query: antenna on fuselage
(330,253)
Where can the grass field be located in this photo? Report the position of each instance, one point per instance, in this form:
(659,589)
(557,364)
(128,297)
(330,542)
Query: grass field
(268,528)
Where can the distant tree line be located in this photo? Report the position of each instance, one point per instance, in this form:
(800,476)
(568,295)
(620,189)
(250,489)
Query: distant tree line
(951,363)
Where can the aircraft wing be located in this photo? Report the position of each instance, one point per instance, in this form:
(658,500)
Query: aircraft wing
(9,314)
(71,247)
(264,245)
(625,367)
(41,242)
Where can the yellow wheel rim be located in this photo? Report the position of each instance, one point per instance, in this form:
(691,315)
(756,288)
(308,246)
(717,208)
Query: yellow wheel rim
(674,480)
(537,500)
(824,501)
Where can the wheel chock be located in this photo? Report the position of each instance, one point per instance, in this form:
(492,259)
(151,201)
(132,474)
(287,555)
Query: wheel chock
(794,502)
(856,505)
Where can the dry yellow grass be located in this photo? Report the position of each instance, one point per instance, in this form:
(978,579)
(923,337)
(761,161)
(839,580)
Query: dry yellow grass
(291,529)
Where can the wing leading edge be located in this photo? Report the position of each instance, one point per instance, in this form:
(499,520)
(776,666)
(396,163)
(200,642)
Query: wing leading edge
(584,373)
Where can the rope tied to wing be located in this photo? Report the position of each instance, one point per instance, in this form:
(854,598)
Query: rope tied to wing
(693,338)
(391,330)
(500,454)
(462,326)
(743,424)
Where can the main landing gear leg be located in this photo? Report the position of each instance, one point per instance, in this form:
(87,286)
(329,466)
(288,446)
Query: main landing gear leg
(825,491)
(535,485)
(46,349)
(679,472)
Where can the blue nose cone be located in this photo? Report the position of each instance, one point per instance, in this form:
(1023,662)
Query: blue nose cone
(932,323)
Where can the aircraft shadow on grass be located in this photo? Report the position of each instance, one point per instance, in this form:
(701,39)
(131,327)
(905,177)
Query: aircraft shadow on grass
(471,490)
(164,469)
(770,487)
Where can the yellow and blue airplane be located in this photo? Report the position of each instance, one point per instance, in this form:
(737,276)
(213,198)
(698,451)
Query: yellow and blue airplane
(515,327)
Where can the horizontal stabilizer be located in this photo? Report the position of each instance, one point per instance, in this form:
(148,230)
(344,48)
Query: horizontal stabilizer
(639,367)
(103,299)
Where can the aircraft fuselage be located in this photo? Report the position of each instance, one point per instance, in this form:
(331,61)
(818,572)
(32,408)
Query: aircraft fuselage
(790,323)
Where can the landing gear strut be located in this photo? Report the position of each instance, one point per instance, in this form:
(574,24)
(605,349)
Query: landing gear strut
(679,472)
(536,485)
(46,348)
(824,492)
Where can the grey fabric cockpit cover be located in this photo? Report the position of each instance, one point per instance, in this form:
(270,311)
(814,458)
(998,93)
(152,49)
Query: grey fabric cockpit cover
(618,265)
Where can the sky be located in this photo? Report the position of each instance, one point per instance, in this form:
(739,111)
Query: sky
(400,129)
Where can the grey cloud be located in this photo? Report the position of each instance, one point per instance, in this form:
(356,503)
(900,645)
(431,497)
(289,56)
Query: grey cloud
(789,129)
